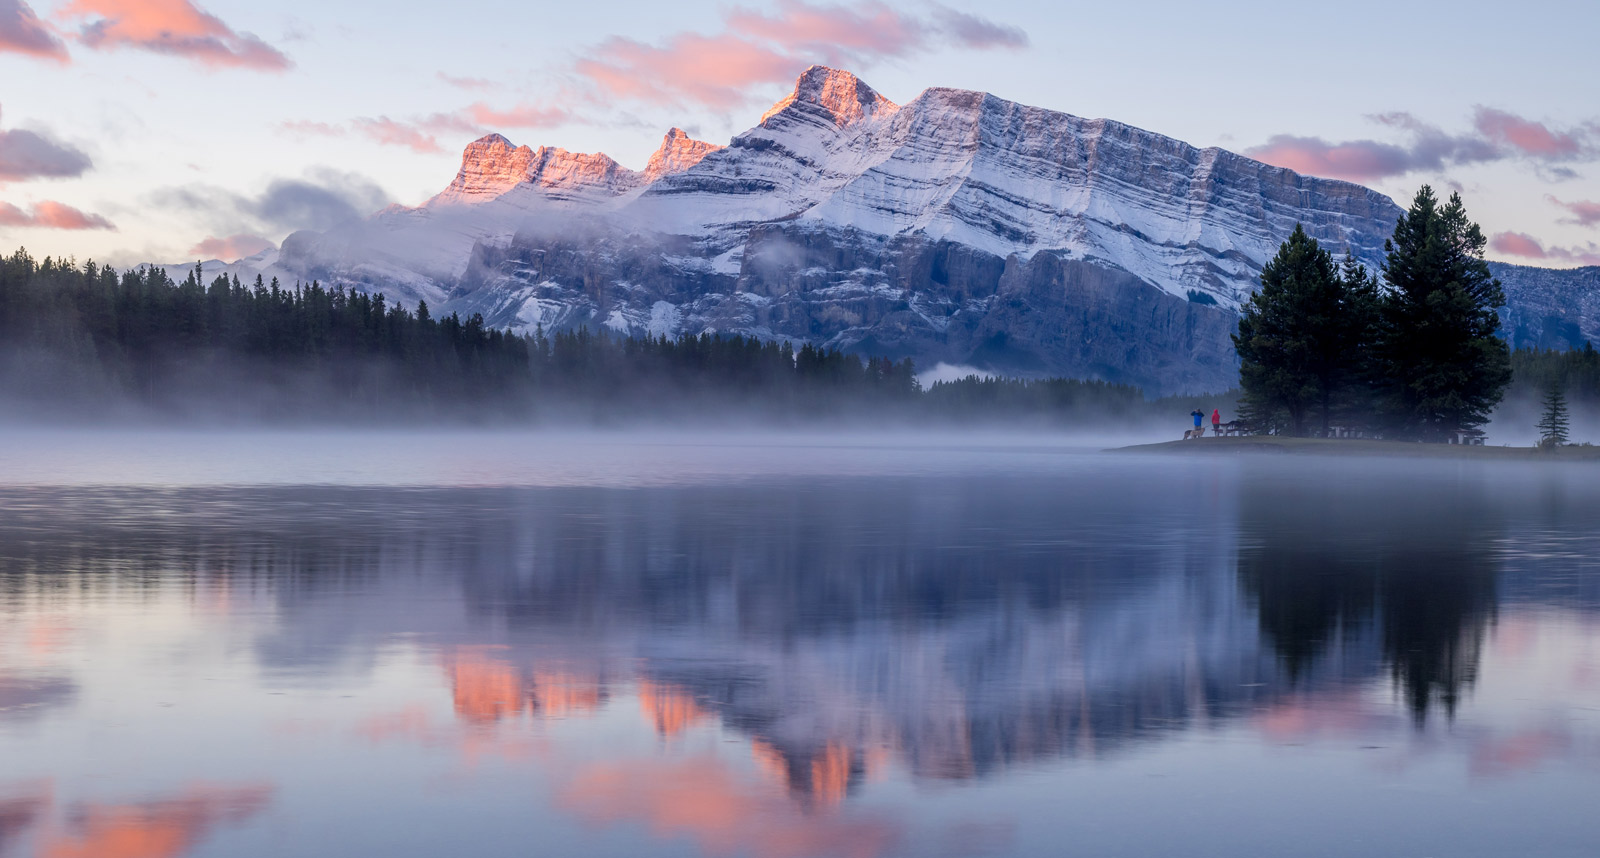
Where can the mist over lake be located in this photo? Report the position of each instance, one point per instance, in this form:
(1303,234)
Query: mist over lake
(501,643)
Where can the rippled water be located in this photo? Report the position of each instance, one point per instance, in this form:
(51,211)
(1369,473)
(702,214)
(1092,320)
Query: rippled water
(501,645)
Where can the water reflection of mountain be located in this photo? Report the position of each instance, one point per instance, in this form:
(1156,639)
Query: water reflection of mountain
(960,627)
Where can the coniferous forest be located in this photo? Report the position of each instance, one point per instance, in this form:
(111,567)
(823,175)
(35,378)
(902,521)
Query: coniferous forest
(87,339)
(1330,350)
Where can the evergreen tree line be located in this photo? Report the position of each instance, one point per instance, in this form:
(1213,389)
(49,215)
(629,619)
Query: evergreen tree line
(1413,355)
(72,335)
(71,332)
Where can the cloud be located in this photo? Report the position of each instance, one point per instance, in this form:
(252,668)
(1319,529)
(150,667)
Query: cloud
(22,32)
(231,248)
(51,215)
(321,200)
(467,83)
(422,134)
(973,32)
(1526,246)
(173,27)
(722,810)
(307,128)
(759,48)
(31,155)
(1528,137)
(1496,136)
(521,116)
(388,132)
(1584,212)
(164,828)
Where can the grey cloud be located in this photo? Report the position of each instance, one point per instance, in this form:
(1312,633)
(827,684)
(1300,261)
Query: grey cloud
(1496,136)
(974,32)
(22,32)
(31,155)
(321,200)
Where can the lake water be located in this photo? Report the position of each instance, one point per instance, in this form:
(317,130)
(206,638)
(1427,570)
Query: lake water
(511,645)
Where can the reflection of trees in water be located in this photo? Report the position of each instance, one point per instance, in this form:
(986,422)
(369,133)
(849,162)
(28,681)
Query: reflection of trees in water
(1331,565)
(969,625)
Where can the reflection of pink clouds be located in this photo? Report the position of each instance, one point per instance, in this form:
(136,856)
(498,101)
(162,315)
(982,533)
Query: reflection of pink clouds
(411,722)
(704,799)
(165,828)
(174,27)
(1519,752)
(1302,716)
(49,637)
(21,805)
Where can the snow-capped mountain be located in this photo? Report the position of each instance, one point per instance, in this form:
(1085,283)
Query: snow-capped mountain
(958,227)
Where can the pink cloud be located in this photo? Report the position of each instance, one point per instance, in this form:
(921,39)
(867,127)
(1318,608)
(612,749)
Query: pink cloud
(1584,212)
(836,34)
(714,71)
(1527,136)
(521,116)
(756,49)
(468,83)
(308,128)
(1354,160)
(22,32)
(1496,136)
(389,132)
(1526,246)
(231,248)
(173,27)
(51,215)
(1517,244)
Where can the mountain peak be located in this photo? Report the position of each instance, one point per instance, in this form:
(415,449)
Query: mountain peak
(843,96)
(678,152)
(490,166)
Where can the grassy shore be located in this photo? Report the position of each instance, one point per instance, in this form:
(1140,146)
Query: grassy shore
(1350,447)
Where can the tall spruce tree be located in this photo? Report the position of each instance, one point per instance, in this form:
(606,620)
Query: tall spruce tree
(1553,424)
(1299,339)
(1442,367)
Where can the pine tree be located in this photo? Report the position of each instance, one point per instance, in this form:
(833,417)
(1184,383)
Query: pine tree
(1553,425)
(1298,342)
(1441,366)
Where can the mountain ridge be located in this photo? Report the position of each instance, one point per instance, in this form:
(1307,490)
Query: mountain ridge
(958,227)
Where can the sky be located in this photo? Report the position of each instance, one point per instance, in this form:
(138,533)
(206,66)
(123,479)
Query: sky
(172,130)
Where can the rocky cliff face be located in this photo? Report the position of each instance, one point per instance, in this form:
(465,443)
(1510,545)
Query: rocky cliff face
(959,227)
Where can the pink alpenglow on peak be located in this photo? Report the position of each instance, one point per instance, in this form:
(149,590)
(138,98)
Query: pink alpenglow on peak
(839,94)
(678,152)
(490,166)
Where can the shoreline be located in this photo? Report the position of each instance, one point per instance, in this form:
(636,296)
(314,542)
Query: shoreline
(1278,445)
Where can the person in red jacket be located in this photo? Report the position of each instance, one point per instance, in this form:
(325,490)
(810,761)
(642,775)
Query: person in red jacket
(1216,421)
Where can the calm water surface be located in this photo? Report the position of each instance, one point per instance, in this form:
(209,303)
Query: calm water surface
(282,645)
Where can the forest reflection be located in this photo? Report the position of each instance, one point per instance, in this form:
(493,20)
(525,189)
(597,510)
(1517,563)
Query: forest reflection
(1369,572)
(839,628)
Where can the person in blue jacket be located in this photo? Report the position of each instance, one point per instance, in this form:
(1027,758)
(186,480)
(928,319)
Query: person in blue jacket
(1198,416)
